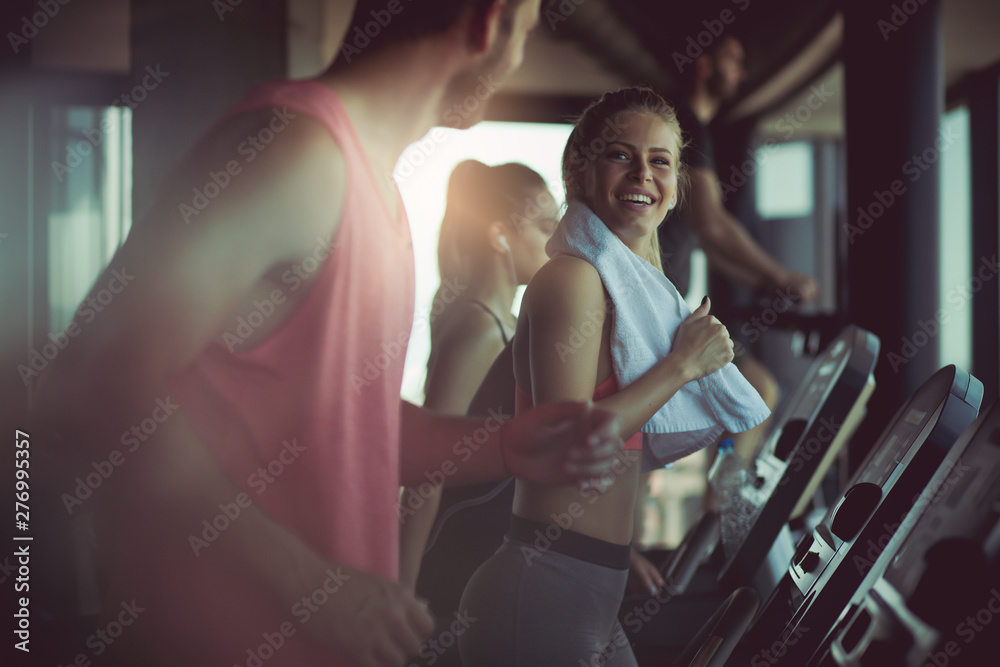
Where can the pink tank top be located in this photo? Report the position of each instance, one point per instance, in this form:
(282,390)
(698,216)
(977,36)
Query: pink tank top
(306,424)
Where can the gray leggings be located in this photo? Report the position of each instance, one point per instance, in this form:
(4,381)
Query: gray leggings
(539,608)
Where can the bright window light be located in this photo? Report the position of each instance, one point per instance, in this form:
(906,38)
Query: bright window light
(955,243)
(785,180)
(422,175)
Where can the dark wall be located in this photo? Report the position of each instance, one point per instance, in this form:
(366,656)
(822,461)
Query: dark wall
(211,57)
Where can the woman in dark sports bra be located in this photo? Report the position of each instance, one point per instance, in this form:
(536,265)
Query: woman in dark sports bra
(492,240)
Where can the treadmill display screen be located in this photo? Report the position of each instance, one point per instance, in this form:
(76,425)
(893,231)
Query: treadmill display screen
(908,428)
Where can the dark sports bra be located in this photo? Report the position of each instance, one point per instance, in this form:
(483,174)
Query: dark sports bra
(503,332)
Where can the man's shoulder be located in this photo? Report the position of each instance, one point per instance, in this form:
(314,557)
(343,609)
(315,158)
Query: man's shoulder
(258,175)
(248,137)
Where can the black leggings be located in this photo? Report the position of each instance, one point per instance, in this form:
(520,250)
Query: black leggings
(547,597)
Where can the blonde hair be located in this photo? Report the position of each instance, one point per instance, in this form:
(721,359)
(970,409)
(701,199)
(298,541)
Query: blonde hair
(586,136)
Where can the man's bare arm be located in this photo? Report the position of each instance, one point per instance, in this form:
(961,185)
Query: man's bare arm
(732,270)
(559,443)
(190,278)
(725,238)
(721,233)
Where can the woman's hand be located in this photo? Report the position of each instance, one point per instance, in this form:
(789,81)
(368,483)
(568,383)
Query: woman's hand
(643,577)
(702,343)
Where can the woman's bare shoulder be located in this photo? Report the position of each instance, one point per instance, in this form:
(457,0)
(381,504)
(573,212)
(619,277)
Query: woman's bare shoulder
(565,280)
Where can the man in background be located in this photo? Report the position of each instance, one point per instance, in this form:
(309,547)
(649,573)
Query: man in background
(702,219)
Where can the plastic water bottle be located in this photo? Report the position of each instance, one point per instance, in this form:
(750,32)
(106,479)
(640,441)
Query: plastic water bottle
(728,475)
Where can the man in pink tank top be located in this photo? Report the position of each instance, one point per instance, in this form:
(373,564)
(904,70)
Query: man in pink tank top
(245,385)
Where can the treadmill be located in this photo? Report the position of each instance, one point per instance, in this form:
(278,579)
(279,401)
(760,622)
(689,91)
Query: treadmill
(830,562)
(932,595)
(804,439)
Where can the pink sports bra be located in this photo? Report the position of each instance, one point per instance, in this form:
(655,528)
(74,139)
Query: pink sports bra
(523,402)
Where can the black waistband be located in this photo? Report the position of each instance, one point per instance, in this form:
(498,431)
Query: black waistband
(550,537)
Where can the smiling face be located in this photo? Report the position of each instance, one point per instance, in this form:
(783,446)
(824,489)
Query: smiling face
(632,183)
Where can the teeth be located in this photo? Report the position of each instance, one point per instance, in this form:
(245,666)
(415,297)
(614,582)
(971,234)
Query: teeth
(636,198)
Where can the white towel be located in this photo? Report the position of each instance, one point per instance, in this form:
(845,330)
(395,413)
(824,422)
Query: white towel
(648,309)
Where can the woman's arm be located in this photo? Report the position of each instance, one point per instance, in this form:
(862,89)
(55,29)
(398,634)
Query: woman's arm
(568,301)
